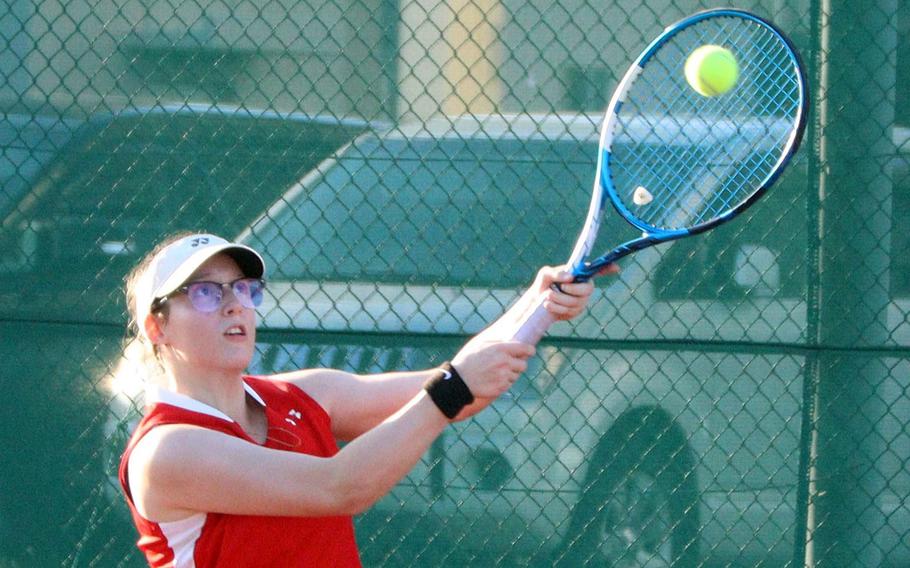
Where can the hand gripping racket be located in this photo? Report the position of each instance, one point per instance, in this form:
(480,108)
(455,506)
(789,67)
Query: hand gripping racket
(676,163)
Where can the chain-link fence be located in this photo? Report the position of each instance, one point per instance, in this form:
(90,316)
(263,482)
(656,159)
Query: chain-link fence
(738,399)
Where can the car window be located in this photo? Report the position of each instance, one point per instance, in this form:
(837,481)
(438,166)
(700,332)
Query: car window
(472,212)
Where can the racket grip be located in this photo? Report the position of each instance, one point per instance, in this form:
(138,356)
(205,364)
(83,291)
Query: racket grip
(535,326)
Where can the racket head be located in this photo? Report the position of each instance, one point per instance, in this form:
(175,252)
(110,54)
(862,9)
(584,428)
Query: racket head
(674,162)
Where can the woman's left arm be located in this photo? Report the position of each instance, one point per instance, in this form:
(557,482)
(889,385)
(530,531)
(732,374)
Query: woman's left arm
(358,403)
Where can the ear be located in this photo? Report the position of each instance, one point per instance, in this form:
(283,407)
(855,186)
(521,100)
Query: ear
(154,328)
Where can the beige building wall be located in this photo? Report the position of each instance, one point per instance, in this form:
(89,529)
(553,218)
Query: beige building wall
(449,58)
(477,52)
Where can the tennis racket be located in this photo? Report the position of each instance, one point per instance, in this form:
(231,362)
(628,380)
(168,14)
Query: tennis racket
(675,163)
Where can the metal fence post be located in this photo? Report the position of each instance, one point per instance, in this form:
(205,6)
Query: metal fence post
(858,87)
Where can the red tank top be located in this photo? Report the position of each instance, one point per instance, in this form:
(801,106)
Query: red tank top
(296,424)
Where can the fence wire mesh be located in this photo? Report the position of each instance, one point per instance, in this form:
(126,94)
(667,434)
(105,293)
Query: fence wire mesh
(739,399)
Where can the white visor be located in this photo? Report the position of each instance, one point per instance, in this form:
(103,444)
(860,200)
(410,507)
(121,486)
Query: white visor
(175,263)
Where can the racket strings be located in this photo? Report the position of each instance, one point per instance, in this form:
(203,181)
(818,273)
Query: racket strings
(670,161)
(698,157)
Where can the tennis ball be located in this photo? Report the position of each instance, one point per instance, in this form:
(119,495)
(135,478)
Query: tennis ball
(711,70)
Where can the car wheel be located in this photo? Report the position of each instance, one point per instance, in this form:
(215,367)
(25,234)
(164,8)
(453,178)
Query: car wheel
(634,528)
(639,505)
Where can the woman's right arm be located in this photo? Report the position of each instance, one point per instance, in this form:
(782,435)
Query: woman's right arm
(179,470)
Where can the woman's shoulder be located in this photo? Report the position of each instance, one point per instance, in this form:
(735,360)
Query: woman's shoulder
(319,385)
(293,387)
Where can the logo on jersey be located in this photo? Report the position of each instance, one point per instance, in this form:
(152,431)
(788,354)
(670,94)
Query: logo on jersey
(293,416)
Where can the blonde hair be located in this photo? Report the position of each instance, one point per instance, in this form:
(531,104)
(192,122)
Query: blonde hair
(131,283)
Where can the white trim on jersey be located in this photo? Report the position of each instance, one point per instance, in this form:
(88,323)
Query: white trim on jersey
(156,393)
(181,538)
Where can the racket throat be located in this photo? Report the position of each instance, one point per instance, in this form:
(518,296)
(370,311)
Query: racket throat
(589,269)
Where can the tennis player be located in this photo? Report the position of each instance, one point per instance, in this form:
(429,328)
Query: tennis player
(227,469)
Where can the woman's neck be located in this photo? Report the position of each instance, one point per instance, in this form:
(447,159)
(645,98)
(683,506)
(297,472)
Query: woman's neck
(228,395)
(219,389)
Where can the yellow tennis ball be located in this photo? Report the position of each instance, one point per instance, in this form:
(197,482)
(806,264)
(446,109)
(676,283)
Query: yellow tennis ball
(712,70)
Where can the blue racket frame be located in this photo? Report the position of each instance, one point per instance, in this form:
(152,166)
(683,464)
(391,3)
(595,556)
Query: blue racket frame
(584,269)
(529,321)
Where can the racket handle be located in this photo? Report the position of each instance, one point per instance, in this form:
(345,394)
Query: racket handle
(535,325)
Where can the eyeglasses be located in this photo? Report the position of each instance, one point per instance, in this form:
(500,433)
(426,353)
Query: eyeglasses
(206,297)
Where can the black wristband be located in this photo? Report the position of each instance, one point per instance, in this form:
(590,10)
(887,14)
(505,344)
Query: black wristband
(448,391)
